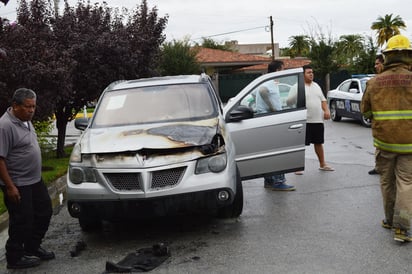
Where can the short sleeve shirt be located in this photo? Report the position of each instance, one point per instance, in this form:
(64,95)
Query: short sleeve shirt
(20,149)
(314,98)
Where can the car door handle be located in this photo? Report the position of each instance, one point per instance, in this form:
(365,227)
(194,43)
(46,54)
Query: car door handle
(297,126)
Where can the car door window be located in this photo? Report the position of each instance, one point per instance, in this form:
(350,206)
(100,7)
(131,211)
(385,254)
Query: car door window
(270,96)
(345,86)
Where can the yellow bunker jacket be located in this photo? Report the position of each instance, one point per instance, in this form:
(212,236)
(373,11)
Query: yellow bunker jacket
(388,101)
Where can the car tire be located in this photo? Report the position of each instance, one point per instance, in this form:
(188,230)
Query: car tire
(235,209)
(366,122)
(334,113)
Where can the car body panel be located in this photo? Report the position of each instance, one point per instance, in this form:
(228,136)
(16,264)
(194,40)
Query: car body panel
(270,142)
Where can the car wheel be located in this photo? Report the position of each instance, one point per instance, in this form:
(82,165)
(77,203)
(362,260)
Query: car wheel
(366,122)
(235,209)
(333,112)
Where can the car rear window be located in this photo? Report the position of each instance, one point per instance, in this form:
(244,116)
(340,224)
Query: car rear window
(155,104)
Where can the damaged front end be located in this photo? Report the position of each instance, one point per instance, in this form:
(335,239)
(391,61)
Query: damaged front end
(169,145)
(176,174)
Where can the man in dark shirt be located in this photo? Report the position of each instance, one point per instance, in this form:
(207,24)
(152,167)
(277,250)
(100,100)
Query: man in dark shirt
(25,195)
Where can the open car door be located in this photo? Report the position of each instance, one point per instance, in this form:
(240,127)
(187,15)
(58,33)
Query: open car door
(269,142)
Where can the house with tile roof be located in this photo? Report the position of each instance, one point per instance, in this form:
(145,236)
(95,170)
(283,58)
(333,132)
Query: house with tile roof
(222,61)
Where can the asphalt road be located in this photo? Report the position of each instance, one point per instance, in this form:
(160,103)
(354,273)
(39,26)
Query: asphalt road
(330,224)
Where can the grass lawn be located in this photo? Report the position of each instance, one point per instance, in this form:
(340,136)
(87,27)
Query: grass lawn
(52,169)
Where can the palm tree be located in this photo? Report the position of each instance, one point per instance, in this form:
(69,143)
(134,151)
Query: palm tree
(299,45)
(351,44)
(322,56)
(349,47)
(386,27)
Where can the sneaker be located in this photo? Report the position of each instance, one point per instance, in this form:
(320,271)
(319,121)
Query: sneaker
(40,253)
(386,224)
(402,235)
(24,262)
(282,187)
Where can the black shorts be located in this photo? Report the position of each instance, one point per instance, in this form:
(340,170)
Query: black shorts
(315,133)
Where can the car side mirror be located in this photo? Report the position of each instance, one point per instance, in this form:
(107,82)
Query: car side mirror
(81,123)
(240,113)
(353,90)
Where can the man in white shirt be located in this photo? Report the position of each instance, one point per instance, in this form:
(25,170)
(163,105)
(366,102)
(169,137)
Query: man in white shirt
(317,112)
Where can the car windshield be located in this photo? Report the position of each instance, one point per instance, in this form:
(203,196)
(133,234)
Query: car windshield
(155,104)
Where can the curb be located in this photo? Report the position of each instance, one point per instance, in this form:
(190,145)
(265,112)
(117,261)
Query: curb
(55,189)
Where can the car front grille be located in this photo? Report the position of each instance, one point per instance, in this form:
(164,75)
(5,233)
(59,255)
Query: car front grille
(167,177)
(133,181)
(125,181)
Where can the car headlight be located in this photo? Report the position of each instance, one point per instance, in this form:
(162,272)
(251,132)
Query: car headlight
(78,175)
(76,155)
(215,163)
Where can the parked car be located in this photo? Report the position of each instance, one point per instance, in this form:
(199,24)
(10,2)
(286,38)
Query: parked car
(344,101)
(167,145)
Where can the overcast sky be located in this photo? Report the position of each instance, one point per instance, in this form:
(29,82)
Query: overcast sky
(248,21)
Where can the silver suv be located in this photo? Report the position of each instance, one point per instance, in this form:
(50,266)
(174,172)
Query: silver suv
(167,145)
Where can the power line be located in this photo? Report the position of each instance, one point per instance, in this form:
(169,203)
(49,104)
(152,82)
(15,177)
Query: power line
(231,32)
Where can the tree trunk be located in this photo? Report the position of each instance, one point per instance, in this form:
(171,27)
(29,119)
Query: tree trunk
(63,115)
(327,84)
(61,124)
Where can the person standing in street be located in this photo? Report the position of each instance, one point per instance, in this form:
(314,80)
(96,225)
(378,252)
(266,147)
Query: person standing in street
(378,68)
(317,112)
(25,195)
(388,102)
(268,100)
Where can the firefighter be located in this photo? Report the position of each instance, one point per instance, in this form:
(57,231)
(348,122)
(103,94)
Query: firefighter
(388,101)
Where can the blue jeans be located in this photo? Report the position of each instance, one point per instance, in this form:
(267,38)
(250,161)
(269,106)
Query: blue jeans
(277,179)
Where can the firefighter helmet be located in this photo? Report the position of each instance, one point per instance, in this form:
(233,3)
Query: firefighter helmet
(398,42)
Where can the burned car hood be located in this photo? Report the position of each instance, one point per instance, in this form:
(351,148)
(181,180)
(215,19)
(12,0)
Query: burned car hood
(161,136)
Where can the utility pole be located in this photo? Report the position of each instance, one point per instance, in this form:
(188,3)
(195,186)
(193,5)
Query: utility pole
(271,37)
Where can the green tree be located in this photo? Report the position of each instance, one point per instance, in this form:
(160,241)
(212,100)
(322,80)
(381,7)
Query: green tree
(350,46)
(178,57)
(387,26)
(365,63)
(299,45)
(212,44)
(323,60)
